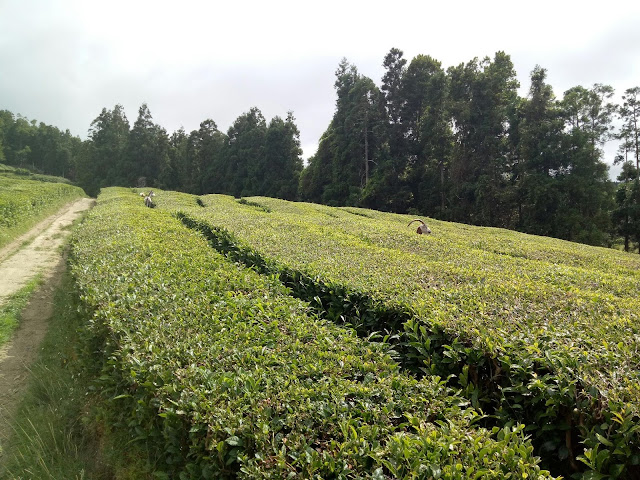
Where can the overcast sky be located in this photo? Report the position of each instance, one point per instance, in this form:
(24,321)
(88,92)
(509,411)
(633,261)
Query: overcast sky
(62,61)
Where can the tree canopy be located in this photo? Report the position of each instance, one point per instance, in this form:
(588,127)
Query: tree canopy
(457,144)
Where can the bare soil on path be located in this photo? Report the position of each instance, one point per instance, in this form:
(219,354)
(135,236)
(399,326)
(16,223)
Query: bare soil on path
(37,252)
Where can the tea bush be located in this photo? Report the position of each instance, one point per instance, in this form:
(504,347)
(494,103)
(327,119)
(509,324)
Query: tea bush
(534,330)
(23,202)
(220,373)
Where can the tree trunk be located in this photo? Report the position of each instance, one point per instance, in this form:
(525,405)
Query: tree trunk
(441,188)
(366,149)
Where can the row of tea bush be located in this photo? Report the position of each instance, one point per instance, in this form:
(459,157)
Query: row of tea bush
(220,373)
(532,330)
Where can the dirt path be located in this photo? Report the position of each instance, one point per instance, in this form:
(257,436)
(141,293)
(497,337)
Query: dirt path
(19,264)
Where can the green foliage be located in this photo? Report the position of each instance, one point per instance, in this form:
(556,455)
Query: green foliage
(629,113)
(219,373)
(147,151)
(13,172)
(251,159)
(531,329)
(24,201)
(41,148)
(204,163)
(283,162)
(462,145)
(105,162)
(483,97)
(245,153)
(11,308)
(352,145)
(626,217)
(244,201)
(48,438)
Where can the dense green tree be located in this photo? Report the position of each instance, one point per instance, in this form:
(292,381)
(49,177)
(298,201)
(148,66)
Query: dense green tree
(348,136)
(540,127)
(394,65)
(174,172)
(395,70)
(561,184)
(483,101)
(387,188)
(283,161)
(575,103)
(244,154)
(48,150)
(629,134)
(253,160)
(194,162)
(105,162)
(427,133)
(626,215)
(147,151)
(589,111)
(6,120)
(209,159)
(76,147)
(352,145)
(365,121)
(423,84)
(315,178)
(413,163)
(19,141)
(37,146)
(436,149)
(587,191)
(344,156)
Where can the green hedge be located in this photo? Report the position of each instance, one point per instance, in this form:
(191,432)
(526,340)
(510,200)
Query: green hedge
(222,374)
(24,202)
(534,330)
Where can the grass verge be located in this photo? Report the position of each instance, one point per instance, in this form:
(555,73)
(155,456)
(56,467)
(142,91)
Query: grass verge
(49,438)
(10,311)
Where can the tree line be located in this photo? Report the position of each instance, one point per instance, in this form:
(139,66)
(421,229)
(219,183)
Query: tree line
(460,144)
(39,147)
(456,144)
(253,158)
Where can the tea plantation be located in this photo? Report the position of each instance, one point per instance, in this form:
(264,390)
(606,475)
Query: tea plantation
(529,329)
(219,372)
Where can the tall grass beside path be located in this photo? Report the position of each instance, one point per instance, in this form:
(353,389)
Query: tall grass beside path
(49,439)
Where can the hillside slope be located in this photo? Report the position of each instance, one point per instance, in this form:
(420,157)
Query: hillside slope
(218,372)
(533,329)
